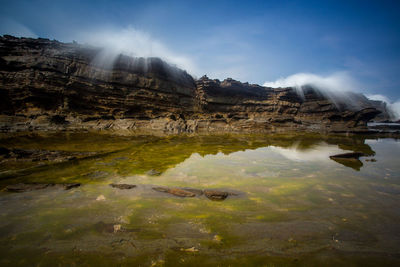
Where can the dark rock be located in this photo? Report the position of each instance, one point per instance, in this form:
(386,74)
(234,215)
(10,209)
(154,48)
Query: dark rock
(123,186)
(70,185)
(216,195)
(4,151)
(348,156)
(349,159)
(175,191)
(57,119)
(22,187)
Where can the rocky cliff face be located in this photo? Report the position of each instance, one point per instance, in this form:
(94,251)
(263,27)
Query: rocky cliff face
(48,85)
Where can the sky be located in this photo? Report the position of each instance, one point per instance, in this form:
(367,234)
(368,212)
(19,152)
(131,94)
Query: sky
(263,42)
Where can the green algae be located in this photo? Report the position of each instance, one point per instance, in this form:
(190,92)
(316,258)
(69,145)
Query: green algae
(290,202)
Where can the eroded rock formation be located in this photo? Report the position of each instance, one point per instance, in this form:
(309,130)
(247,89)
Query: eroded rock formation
(48,85)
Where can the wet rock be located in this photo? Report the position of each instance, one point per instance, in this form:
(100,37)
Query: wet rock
(153,172)
(175,191)
(198,192)
(70,186)
(22,187)
(123,186)
(215,194)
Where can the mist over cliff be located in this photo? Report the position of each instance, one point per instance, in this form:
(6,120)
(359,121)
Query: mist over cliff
(52,85)
(341,89)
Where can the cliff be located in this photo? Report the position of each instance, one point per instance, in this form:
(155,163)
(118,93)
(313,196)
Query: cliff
(49,85)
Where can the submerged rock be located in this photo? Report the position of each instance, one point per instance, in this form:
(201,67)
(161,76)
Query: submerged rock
(192,192)
(175,191)
(123,186)
(216,195)
(198,192)
(24,187)
(70,186)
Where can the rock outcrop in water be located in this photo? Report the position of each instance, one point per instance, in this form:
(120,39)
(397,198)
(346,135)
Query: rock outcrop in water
(49,85)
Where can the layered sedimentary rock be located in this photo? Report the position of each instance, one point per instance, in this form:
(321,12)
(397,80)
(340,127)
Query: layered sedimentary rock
(48,85)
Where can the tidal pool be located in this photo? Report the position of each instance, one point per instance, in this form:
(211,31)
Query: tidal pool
(292,205)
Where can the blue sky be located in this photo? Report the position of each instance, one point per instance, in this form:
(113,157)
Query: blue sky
(254,41)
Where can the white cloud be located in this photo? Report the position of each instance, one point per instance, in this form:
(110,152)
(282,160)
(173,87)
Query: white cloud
(337,82)
(395,107)
(378,97)
(132,42)
(334,87)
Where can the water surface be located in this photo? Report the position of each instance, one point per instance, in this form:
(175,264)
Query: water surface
(293,205)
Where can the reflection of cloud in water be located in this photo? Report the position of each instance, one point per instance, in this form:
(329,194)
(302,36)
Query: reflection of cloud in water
(386,140)
(319,152)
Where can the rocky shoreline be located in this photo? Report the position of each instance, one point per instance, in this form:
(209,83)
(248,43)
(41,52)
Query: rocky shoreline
(52,86)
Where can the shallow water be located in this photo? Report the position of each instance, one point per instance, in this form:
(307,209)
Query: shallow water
(292,205)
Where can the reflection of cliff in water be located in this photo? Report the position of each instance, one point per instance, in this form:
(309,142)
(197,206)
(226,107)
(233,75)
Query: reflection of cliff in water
(124,156)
